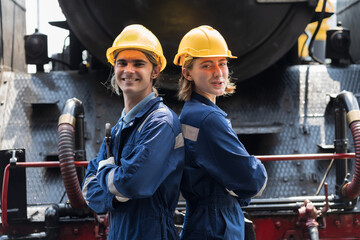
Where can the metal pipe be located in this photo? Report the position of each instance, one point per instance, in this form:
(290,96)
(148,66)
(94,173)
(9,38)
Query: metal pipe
(288,206)
(52,222)
(316,156)
(4,198)
(340,144)
(313,233)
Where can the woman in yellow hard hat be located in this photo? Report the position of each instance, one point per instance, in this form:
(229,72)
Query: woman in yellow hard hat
(138,184)
(219,175)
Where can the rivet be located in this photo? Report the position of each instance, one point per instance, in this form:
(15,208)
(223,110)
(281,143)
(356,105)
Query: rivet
(357,222)
(337,223)
(277,224)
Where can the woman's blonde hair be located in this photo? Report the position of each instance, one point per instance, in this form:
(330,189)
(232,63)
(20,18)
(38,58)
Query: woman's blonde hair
(186,87)
(153,59)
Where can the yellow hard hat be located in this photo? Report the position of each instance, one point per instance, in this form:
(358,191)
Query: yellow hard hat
(136,36)
(203,41)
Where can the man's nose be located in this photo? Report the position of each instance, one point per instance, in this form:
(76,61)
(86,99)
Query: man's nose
(217,71)
(129,68)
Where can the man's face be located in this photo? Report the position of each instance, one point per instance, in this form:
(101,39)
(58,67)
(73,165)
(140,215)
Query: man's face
(134,73)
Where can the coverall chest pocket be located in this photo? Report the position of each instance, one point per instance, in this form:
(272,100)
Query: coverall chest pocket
(132,157)
(127,152)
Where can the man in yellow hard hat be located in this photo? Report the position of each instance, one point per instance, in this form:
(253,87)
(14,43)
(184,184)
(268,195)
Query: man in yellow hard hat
(139,183)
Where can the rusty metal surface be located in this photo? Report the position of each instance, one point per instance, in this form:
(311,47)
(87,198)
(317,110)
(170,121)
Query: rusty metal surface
(276,113)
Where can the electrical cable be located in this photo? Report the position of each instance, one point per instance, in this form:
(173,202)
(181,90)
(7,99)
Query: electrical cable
(321,17)
(303,46)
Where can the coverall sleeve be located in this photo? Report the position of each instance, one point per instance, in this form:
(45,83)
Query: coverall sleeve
(97,199)
(144,164)
(224,157)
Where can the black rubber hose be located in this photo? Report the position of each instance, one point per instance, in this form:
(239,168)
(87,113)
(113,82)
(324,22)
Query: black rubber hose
(351,190)
(66,135)
(347,100)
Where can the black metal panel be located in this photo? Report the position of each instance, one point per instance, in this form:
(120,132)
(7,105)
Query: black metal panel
(347,11)
(16,198)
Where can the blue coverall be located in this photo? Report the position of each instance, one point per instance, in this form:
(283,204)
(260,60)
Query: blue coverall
(219,175)
(140,186)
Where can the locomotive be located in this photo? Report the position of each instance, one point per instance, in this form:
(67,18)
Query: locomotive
(300,116)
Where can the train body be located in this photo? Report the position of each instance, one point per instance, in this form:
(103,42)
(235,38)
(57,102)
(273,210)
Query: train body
(299,116)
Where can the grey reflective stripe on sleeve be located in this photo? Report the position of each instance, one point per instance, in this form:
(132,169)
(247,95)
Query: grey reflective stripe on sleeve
(231,193)
(262,189)
(190,132)
(85,187)
(121,199)
(105,162)
(142,124)
(179,141)
(112,187)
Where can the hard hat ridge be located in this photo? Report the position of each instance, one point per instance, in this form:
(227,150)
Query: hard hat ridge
(203,41)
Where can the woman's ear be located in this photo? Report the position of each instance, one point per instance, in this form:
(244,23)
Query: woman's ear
(186,74)
(156,72)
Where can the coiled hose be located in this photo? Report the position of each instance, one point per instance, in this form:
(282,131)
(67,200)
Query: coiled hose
(351,190)
(66,136)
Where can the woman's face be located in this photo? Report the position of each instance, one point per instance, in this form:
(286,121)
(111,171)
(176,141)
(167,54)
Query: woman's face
(210,76)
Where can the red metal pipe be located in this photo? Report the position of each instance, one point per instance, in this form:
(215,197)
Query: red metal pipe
(316,156)
(4,198)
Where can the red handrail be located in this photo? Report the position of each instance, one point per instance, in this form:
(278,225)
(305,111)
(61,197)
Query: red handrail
(316,156)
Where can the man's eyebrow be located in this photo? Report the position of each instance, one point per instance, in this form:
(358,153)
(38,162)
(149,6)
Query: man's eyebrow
(139,61)
(207,61)
(134,61)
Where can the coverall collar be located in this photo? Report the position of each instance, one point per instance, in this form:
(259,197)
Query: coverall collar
(206,101)
(126,118)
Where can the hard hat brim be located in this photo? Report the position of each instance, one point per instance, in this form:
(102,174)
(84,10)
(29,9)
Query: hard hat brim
(111,51)
(179,62)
